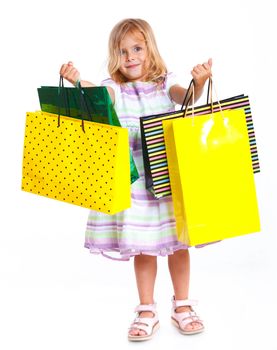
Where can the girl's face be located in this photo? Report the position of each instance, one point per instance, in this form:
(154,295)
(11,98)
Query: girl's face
(133,57)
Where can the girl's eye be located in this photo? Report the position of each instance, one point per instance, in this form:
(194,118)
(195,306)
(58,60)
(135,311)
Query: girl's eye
(122,52)
(137,49)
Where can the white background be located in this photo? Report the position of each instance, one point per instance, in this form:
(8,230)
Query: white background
(54,294)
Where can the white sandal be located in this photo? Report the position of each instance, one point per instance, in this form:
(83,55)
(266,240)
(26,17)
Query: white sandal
(182,319)
(147,324)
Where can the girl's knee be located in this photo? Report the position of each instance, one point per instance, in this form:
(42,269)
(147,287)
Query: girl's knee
(180,253)
(145,258)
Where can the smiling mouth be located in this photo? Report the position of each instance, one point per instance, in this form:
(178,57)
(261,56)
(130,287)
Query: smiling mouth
(132,66)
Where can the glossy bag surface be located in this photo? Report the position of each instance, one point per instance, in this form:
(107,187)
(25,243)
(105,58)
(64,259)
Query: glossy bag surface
(211,177)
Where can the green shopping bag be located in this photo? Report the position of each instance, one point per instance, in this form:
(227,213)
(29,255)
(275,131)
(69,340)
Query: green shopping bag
(86,103)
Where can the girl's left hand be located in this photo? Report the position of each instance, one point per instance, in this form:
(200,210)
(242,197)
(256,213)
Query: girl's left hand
(202,72)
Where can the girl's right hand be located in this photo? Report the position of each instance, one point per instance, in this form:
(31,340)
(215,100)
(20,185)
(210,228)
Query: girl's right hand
(70,73)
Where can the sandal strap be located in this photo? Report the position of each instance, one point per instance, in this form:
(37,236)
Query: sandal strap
(186,302)
(142,327)
(189,317)
(186,317)
(145,324)
(146,307)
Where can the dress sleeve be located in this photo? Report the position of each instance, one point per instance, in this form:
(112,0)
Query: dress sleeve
(111,83)
(170,80)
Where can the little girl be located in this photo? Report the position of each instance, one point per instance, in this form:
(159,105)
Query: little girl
(139,86)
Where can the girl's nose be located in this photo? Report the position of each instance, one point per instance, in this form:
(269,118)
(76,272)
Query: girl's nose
(130,56)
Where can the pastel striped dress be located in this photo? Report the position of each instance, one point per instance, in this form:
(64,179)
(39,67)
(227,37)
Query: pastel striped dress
(148,227)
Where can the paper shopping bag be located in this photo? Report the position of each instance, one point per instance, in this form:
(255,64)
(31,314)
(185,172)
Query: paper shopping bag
(90,169)
(90,103)
(211,177)
(96,105)
(153,145)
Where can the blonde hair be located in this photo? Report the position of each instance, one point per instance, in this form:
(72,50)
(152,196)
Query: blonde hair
(156,69)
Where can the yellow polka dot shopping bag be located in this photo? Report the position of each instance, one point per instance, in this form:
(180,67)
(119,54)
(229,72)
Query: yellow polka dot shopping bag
(77,161)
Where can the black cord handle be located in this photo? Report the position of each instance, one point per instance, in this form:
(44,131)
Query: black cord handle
(83,103)
(188,96)
(209,94)
(61,91)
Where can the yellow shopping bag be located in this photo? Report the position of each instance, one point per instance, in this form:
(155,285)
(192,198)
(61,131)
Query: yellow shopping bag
(211,177)
(90,169)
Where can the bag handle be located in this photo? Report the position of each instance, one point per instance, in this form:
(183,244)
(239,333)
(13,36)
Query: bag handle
(190,99)
(211,88)
(83,102)
(210,91)
(191,86)
(210,94)
(186,98)
(210,101)
(67,106)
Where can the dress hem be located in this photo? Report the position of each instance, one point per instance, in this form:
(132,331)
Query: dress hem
(126,254)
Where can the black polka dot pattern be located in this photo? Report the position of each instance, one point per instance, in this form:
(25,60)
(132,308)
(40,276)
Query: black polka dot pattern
(70,165)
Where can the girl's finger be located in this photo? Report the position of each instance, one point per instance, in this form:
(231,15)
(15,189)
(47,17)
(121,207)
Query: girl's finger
(197,69)
(69,72)
(206,66)
(63,69)
(194,74)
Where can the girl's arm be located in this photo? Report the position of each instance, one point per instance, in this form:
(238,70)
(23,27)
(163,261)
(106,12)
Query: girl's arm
(178,93)
(200,74)
(71,74)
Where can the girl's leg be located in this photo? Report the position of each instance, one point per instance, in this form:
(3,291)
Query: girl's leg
(146,271)
(179,268)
